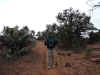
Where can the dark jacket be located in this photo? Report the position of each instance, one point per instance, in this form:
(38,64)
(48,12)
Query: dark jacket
(50,42)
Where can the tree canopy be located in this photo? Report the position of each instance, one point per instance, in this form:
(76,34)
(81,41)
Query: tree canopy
(72,24)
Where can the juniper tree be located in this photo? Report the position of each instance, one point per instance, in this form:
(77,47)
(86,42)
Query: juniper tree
(15,41)
(72,24)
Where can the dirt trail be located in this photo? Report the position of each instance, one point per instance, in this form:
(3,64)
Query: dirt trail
(36,64)
(33,64)
(43,53)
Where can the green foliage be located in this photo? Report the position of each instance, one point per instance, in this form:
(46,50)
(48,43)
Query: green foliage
(72,24)
(15,41)
(94,37)
(68,32)
(50,30)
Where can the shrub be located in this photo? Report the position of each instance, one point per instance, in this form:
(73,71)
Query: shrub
(15,41)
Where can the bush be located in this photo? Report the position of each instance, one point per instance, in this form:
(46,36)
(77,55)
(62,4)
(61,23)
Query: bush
(94,37)
(15,42)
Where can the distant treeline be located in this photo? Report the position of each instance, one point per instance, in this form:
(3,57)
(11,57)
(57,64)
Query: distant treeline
(70,28)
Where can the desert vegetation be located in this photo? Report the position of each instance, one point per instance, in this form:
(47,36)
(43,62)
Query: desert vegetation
(70,30)
(71,53)
(14,42)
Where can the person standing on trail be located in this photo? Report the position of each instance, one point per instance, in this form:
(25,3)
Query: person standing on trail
(50,42)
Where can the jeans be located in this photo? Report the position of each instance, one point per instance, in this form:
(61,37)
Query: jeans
(50,58)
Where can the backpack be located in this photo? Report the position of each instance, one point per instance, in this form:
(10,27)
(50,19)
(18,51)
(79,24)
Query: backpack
(51,43)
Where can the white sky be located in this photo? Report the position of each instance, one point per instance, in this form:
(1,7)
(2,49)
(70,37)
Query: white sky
(35,13)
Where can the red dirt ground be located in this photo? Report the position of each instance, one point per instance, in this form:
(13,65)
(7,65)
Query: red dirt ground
(36,64)
(33,64)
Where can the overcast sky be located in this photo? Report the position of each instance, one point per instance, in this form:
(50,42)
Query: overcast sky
(37,13)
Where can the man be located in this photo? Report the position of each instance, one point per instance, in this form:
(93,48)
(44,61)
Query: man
(50,42)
